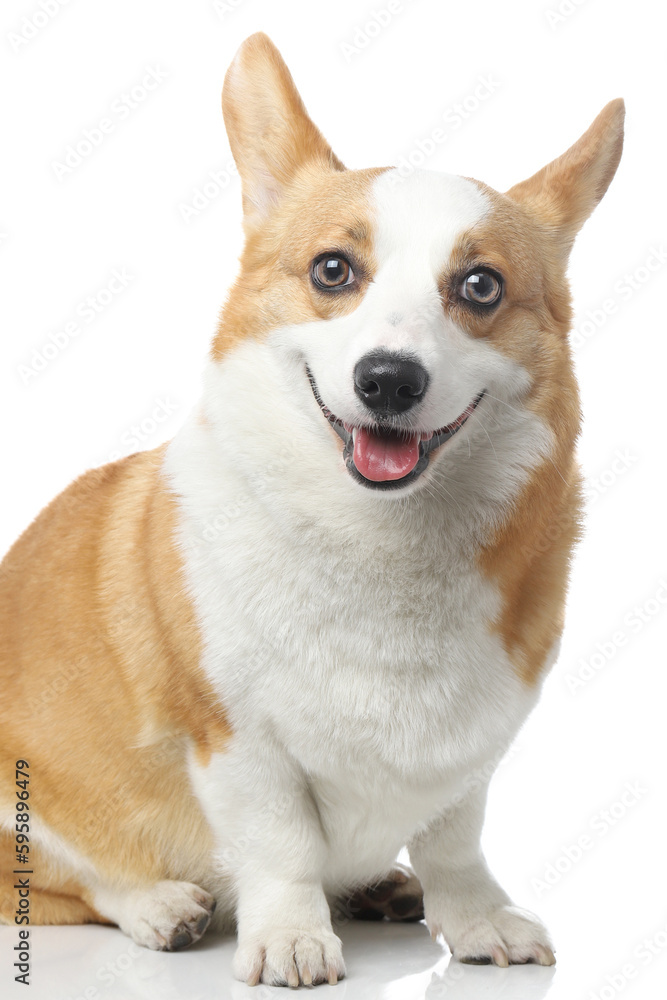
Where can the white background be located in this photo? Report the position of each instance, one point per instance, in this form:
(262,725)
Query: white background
(122,207)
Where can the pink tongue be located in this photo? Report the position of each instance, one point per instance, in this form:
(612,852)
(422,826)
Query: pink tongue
(379,457)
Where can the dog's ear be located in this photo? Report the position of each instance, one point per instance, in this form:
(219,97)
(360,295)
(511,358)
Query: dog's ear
(269,130)
(564,193)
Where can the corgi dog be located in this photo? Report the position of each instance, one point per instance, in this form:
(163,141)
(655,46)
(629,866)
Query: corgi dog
(241,672)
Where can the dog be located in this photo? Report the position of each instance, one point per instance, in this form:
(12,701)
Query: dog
(243,670)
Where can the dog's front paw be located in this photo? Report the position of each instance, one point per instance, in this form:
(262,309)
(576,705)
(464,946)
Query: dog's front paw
(505,936)
(289,956)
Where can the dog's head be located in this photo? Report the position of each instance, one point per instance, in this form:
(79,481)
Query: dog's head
(397,325)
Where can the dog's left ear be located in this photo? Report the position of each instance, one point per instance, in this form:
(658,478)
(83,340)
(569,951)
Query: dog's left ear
(564,193)
(269,129)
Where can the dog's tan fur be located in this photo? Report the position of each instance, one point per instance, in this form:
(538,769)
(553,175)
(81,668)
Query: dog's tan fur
(99,646)
(100,664)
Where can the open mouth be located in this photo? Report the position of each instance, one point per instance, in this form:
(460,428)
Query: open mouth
(383,457)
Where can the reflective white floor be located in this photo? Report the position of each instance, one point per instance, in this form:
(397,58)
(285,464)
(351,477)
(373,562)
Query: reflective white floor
(384,961)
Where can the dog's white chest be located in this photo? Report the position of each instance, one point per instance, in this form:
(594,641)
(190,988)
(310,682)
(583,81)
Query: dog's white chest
(367,659)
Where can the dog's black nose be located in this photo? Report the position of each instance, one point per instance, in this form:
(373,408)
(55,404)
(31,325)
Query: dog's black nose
(389,383)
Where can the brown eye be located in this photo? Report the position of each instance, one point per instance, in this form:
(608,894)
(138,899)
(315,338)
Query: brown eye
(481,287)
(331,271)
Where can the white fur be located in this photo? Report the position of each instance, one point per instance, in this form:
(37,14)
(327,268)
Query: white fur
(348,632)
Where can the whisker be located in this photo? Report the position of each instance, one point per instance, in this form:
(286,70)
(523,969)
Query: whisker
(516,409)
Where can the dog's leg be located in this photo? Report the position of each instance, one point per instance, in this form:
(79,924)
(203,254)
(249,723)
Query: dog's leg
(462,900)
(270,836)
(164,916)
(285,937)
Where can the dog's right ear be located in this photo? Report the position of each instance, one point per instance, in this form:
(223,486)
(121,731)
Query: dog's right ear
(269,130)
(564,193)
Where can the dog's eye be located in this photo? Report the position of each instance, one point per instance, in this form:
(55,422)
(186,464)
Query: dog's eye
(331,271)
(481,287)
